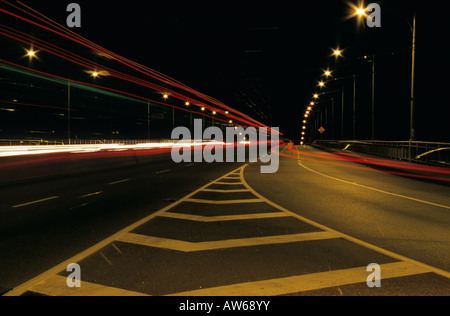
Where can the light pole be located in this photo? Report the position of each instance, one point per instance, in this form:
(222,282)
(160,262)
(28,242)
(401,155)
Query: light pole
(68,111)
(413,69)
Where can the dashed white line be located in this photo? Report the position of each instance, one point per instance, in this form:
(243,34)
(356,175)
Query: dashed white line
(91,194)
(120,181)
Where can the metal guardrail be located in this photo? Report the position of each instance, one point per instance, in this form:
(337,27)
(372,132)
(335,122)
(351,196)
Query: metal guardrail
(430,153)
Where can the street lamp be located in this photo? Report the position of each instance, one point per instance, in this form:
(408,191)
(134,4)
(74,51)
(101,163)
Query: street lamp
(337,53)
(31,53)
(327,73)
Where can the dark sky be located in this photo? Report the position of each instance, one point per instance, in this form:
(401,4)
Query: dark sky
(265,58)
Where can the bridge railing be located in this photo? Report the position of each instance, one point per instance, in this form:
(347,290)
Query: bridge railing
(431,153)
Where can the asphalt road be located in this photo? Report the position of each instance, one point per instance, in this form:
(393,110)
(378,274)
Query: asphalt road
(197,229)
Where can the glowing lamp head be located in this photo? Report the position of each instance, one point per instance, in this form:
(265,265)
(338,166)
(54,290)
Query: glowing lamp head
(31,53)
(361,12)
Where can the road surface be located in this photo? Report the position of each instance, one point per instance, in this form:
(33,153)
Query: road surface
(313,228)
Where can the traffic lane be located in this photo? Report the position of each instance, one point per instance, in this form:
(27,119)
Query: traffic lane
(407,227)
(36,237)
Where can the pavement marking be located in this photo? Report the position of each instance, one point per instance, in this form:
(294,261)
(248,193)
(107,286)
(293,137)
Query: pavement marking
(226,191)
(308,282)
(374,189)
(56,285)
(228,183)
(233,177)
(35,202)
(19,290)
(185,246)
(347,237)
(210,219)
(91,194)
(120,181)
(163,171)
(243,201)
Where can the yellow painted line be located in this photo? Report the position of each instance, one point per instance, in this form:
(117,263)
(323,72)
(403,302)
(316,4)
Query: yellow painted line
(81,256)
(226,191)
(233,177)
(344,236)
(227,183)
(243,201)
(185,246)
(35,202)
(309,282)
(210,219)
(91,194)
(118,182)
(56,286)
(374,189)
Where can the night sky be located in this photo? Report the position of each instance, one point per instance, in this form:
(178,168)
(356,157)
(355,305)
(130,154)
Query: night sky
(265,58)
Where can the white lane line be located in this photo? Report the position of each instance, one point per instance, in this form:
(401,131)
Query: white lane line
(120,181)
(163,171)
(91,194)
(35,202)
(374,189)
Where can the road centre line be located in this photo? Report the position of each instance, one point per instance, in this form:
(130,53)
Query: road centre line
(36,202)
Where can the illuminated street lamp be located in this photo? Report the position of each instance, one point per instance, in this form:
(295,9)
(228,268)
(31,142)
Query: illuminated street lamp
(337,53)
(31,53)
